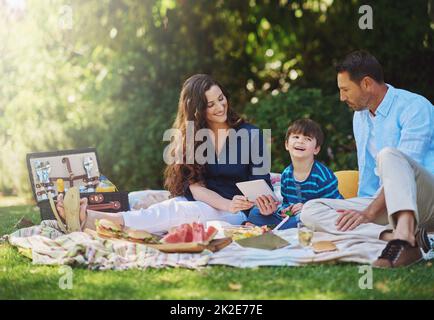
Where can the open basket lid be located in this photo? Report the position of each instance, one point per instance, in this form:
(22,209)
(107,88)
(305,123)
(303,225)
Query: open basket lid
(68,165)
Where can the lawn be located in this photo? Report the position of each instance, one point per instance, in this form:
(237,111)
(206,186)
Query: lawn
(19,279)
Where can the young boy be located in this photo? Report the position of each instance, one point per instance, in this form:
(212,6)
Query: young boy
(303,180)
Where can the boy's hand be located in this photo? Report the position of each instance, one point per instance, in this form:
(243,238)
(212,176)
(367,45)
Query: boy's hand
(293,209)
(296,208)
(267,205)
(286,212)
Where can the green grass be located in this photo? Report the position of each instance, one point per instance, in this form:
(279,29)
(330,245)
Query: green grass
(19,279)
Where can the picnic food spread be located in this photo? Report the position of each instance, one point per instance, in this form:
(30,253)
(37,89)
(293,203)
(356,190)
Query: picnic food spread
(184,238)
(194,237)
(242,232)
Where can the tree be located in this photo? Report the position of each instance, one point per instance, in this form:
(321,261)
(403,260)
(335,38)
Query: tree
(108,73)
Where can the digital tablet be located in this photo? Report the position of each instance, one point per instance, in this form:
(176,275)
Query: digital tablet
(255,188)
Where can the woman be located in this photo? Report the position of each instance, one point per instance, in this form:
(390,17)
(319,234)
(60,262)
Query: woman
(201,192)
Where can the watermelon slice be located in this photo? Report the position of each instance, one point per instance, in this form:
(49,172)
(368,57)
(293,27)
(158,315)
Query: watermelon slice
(173,237)
(187,230)
(182,233)
(198,232)
(210,233)
(194,232)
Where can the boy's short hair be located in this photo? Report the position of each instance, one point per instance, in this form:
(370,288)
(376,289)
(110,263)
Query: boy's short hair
(308,128)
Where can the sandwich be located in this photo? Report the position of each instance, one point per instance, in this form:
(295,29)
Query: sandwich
(108,229)
(140,236)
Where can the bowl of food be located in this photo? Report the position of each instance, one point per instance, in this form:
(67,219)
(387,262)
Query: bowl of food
(242,232)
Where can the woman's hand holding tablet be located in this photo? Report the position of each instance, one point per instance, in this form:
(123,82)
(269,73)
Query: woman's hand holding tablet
(256,188)
(261,193)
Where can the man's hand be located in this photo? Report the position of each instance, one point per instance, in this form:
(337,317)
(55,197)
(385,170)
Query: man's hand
(239,203)
(267,205)
(351,219)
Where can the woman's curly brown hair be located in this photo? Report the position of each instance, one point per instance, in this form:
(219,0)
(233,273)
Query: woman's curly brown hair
(192,106)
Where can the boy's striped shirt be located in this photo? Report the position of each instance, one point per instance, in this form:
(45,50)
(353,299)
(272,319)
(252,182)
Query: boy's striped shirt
(321,183)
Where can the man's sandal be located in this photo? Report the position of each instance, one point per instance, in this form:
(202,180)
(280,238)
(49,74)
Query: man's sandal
(71,204)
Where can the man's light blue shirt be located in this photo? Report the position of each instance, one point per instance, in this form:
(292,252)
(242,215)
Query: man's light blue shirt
(403,120)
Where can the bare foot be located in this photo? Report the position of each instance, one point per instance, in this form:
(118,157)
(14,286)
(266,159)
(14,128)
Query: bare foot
(61,209)
(387,235)
(89,216)
(405,226)
(410,238)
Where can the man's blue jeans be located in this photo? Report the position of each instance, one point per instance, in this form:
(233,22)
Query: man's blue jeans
(258,219)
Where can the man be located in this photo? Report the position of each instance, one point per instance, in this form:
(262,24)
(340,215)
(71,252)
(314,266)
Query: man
(394,131)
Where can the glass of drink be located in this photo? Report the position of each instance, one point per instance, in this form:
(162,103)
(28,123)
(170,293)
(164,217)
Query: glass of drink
(305,235)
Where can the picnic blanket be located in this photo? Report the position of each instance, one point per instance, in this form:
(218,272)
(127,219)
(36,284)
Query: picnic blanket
(46,244)
(350,249)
